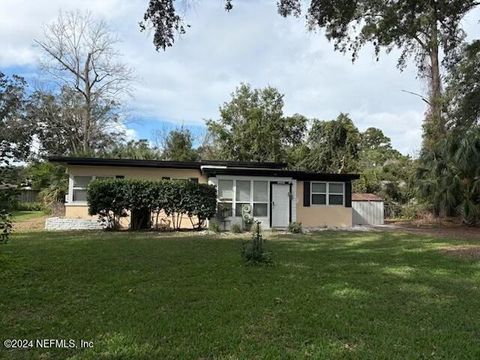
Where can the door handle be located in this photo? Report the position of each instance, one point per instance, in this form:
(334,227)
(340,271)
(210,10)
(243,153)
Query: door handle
(273,203)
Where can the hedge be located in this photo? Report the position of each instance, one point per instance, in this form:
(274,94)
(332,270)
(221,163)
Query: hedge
(112,199)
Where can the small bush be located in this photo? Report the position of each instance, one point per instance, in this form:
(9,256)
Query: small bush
(253,251)
(214,226)
(295,228)
(29,206)
(5,226)
(236,229)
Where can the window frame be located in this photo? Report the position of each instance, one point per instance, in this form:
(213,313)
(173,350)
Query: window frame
(223,201)
(251,201)
(72,186)
(327,193)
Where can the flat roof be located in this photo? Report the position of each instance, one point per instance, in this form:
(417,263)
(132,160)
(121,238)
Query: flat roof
(295,174)
(365,197)
(163,163)
(211,167)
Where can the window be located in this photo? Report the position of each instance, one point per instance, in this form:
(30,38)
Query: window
(80,184)
(239,208)
(225,190)
(119,177)
(225,209)
(319,193)
(225,197)
(260,191)
(165,178)
(260,210)
(195,180)
(260,198)
(335,193)
(243,190)
(236,195)
(242,195)
(327,193)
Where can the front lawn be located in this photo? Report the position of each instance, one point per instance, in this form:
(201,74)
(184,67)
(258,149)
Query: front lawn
(21,215)
(328,295)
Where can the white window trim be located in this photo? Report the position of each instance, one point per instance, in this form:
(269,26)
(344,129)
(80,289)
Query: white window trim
(327,193)
(259,178)
(71,188)
(269,180)
(250,201)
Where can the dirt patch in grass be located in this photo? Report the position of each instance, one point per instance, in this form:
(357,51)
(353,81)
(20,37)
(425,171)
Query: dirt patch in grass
(450,230)
(35,224)
(463,252)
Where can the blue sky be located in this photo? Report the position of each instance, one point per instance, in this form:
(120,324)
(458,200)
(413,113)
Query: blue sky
(186,84)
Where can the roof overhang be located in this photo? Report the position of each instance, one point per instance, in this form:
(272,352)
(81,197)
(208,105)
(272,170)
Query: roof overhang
(210,167)
(298,175)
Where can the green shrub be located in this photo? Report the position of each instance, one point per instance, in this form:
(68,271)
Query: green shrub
(295,228)
(214,226)
(29,206)
(112,198)
(253,252)
(8,198)
(108,199)
(5,225)
(236,229)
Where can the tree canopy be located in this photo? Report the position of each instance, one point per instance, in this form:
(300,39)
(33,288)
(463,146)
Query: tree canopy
(252,126)
(134,149)
(79,52)
(179,146)
(333,146)
(420,29)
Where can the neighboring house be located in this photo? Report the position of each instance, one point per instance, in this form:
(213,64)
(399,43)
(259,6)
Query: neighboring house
(277,196)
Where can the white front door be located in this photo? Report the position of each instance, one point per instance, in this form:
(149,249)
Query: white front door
(280,205)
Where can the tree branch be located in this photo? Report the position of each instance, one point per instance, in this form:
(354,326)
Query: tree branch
(420,96)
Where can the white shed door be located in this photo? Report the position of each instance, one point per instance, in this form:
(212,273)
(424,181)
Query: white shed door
(280,205)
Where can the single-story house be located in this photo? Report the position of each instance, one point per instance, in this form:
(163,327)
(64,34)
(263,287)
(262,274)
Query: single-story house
(277,196)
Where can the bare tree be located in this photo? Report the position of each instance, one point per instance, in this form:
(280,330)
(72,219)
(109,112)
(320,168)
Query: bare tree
(79,52)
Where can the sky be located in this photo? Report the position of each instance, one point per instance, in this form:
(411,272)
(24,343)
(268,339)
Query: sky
(186,84)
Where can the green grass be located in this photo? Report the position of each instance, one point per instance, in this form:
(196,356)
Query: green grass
(328,295)
(20,215)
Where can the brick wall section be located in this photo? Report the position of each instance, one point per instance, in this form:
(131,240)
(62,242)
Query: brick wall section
(57,223)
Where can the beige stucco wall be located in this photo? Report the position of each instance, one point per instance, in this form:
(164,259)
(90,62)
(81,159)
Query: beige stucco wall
(81,211)
(317,215)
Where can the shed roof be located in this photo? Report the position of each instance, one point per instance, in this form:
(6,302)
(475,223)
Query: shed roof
(365,197)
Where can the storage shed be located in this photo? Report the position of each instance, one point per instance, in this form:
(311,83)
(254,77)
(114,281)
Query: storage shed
(367,209)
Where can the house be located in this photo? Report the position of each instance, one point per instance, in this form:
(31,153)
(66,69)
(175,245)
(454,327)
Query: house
(277,196)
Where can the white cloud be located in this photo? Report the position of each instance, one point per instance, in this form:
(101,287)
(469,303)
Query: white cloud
(130,134)
(252,44)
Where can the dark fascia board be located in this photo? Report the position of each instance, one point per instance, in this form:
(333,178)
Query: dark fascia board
(123,162)
(160,163)
(298,175)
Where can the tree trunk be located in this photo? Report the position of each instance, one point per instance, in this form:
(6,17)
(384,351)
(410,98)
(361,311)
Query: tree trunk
(434,128)
(87,121)
(86,125)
